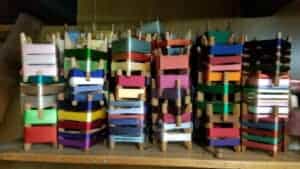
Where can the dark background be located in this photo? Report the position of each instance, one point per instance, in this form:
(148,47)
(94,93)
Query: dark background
(57,12)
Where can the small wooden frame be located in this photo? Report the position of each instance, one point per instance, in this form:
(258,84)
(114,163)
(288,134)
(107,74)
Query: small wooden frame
(130,67)
(39,135)
(81,116)
(79,139)
(38,59)
(77,77)
(126,121)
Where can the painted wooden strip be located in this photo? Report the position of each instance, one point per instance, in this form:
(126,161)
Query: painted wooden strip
(272,96)
(261,146)
(259,132)
(178,42)
(226,49)
(38,48)
(175,51)
(126,130)
(219,76)
(262,116)
(169,81)
(129,93)
(266,103)
(217,132)
(82,135)
(84,97)
(81,144)
(131,81)
(176,137)
(167,127)
(130,66)
(127,139)
(47,101)
(75,72)
(40,79)
(40,134)
(267,100)
(81,106)
(82,65)
(219,36)
(125,121)
(254,90)
(170,118)
(40,58)
(48,116)
(268,118)
(262,125)
(130,45)
(34,70)
(76,81)
(173,62)
(224,60)
(267,110)
(126,116)
(82,126)
(85,53)
(219,107)
(81,116)
(224,142)
(227,67)
(127,103)
(225,88)
(88,88)
(139,110)
(52,89)
(136,57)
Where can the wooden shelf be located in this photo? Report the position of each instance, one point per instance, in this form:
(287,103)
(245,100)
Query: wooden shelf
(128,155)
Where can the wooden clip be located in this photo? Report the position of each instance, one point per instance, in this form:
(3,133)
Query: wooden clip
(200,78)
(204,41)
(165,107)
(168,36)
(211,41)
(231,39)
(209,109)
(73,62)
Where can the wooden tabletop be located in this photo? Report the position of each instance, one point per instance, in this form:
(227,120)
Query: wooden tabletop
(129,155)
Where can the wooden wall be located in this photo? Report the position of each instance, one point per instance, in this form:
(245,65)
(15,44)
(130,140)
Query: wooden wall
(136,10)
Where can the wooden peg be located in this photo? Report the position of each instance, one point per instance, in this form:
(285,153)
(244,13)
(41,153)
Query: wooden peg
(40,113)
(231,39)
(168,36)
(89,40)
(23,38)
(73,62)
(209,109)
(165,107)
(211,41)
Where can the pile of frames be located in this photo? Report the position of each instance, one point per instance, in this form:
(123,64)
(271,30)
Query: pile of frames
(39,91)
(266,94)
(218,90)
(82,114)
(130,71)
(171,100)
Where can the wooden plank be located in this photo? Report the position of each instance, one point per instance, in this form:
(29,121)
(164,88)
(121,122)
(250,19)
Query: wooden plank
(173,62)
(126,155)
